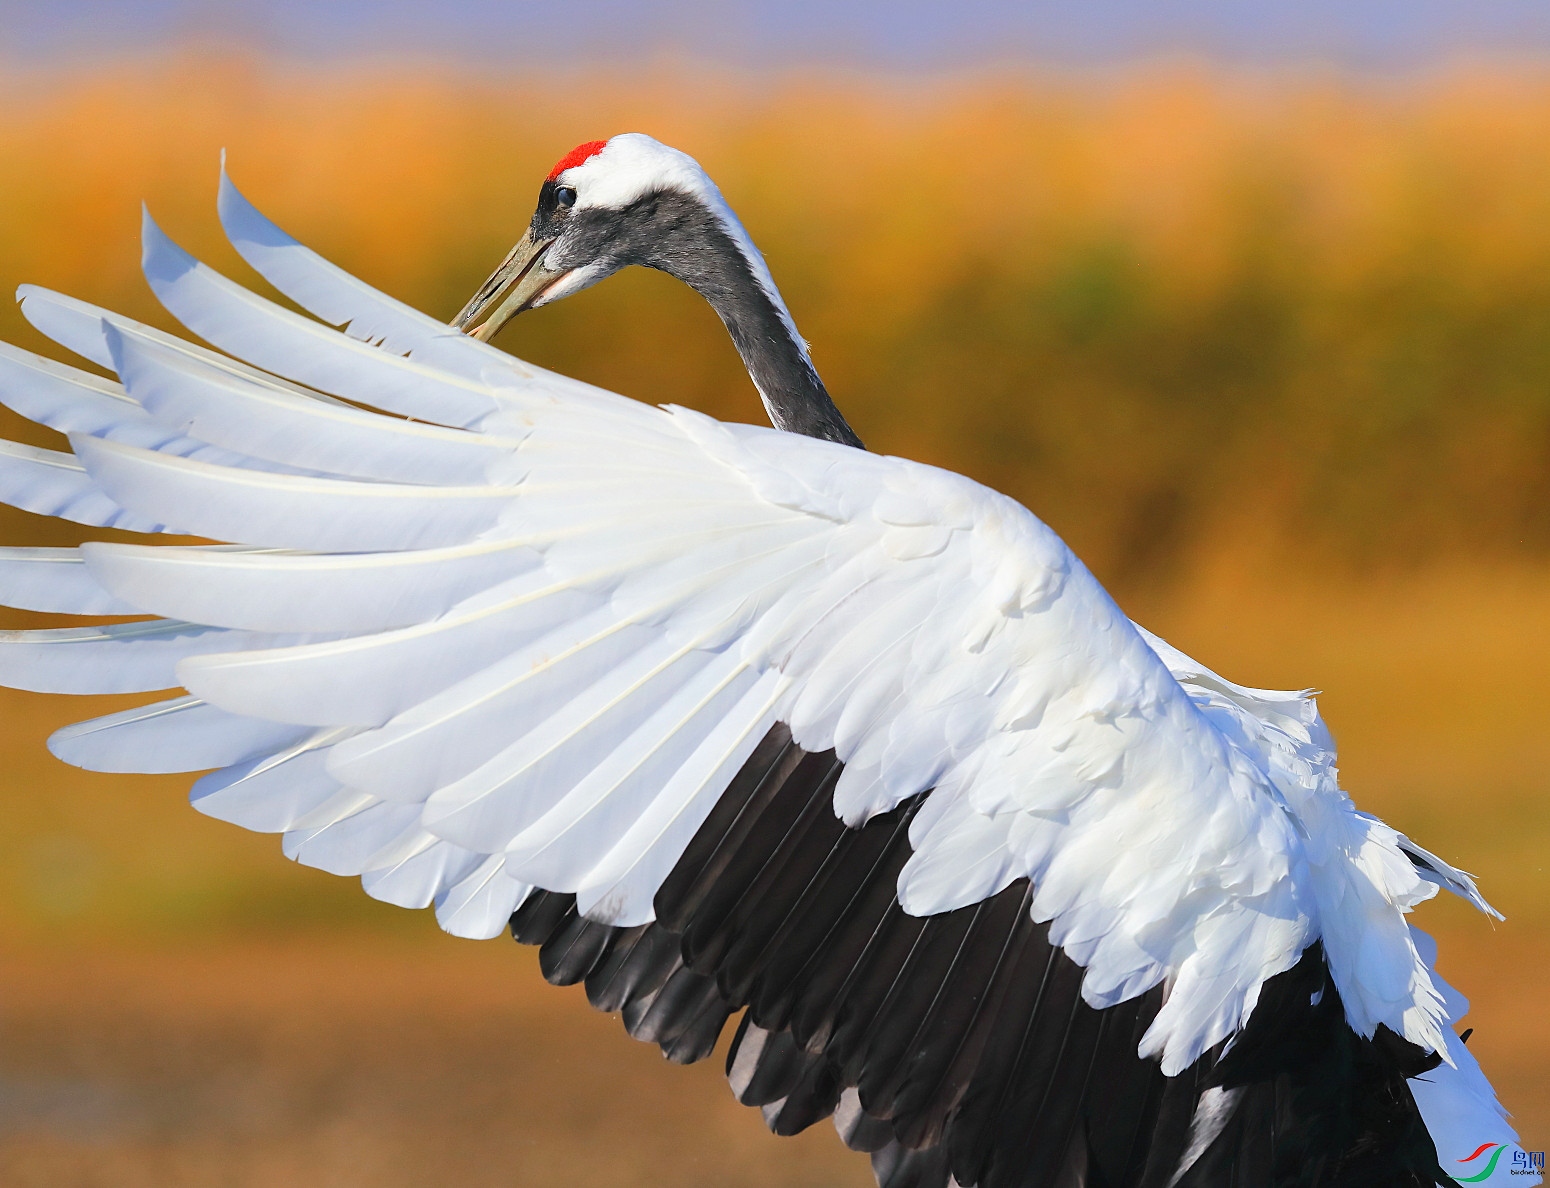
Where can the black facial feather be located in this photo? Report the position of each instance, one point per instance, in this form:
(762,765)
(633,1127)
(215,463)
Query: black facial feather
(548,217)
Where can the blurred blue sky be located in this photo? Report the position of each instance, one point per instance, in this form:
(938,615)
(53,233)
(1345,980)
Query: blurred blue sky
(884,34)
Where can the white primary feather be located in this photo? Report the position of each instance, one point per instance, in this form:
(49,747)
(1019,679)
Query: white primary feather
(81,327)
(332,294)
(282,590)
(289,511)
(51,483)
(327,291)
(630,598)
(181,734)
(55,580)
(300,349)
(72,401)
(560,847)
(213,405)
(365,680)
(623,882)
(133,657)
(530,707)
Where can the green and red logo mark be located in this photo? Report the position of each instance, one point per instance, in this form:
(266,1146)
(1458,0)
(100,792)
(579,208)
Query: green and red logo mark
(1524,1163)
(1495,1149)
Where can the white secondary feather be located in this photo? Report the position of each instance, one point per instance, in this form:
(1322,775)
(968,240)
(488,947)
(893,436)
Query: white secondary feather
(272,794)
(412,870)
(479,905)
(564,622)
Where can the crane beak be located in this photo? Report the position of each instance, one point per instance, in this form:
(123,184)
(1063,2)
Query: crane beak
(521,278)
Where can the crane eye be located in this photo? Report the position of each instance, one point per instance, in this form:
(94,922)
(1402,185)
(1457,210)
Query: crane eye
(565,197)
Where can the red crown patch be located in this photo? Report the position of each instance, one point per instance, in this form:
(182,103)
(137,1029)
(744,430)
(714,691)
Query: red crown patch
(577,155)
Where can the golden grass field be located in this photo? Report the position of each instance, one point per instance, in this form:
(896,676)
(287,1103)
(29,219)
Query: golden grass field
(1272,353)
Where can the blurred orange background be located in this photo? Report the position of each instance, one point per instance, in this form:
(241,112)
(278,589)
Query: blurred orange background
(1271,351)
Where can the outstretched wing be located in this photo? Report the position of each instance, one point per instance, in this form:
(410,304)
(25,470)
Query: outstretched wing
(725,716)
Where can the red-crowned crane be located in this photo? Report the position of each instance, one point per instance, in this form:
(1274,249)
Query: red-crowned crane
(732,719)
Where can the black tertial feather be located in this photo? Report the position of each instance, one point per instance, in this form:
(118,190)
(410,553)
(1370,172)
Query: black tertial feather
(574,948)
(1122,1106)
(959,1045)
(953,1047)
(861,1131)
(639,963)
(837,962)
(897,1166)
(798,794)
(765,1066)
(814,1098)
(726,829)
(1170,1131)
(540,915)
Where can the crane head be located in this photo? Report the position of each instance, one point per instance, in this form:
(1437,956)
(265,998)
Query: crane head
(604,206)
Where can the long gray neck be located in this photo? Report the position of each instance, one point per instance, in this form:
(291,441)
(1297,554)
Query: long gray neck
(792,393)
(678,235)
